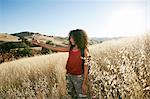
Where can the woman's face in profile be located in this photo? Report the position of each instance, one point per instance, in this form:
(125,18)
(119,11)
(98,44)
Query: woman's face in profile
(72,40)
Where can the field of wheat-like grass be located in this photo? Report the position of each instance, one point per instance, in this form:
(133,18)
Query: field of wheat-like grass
(34,78)
(120,69)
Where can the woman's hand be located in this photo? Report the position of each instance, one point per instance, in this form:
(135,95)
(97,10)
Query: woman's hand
(35,42)
(84,88)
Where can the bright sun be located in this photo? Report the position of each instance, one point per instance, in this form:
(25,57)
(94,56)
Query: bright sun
(127,21)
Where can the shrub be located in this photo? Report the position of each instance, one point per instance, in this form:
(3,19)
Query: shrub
(6,47)
(47,51)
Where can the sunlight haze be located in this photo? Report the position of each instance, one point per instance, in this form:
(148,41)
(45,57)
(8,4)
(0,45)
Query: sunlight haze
(100,18)
(127,21)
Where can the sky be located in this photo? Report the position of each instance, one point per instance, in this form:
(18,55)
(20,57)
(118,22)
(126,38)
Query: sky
(99,18)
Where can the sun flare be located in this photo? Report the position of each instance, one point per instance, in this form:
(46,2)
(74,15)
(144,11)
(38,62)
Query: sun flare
(127,21)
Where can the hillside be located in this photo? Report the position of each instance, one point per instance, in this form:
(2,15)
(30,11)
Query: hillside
(15,37)
(4,37)
(55,39)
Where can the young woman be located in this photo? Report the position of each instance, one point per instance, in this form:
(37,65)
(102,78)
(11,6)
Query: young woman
(77,75)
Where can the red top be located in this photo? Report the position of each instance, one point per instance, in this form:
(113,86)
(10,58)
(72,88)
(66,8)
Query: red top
(74,63)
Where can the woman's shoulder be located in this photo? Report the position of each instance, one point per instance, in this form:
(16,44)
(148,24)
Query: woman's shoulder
(86,51)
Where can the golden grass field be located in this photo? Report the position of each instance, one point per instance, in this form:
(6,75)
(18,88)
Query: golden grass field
(120,69)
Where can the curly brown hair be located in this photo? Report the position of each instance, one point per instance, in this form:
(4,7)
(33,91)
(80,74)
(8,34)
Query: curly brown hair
(80,37)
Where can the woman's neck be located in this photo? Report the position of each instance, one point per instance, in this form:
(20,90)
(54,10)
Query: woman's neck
(75,48)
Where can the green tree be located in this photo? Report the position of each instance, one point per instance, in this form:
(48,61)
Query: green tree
(6,47)
(24,52)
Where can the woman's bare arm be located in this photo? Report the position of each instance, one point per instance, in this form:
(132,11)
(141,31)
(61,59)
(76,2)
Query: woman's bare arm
(86,68)
(51,47)
(86,53)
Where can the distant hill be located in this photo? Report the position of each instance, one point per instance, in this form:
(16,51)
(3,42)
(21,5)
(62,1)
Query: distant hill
(16,37)
(100,40)
(23,34)
(4,37)
(43,38)
(55,39)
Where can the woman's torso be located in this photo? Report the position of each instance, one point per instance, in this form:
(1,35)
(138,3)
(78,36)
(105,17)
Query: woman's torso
(74,62)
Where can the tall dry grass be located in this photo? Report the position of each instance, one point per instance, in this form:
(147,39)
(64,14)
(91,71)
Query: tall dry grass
(119,69)
(38,77)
